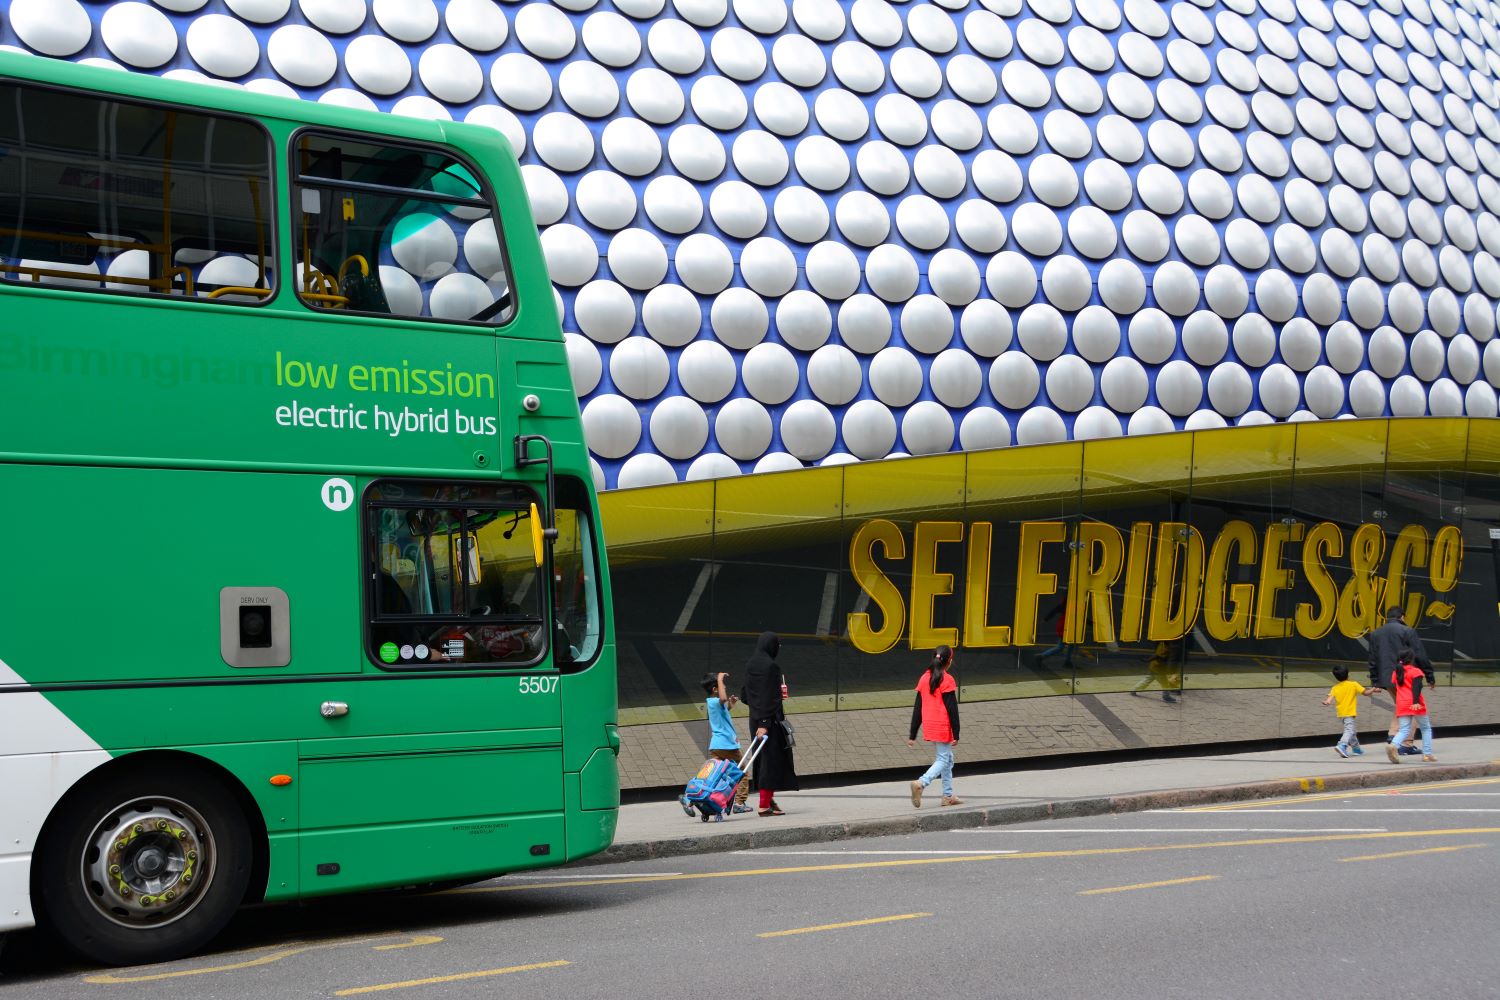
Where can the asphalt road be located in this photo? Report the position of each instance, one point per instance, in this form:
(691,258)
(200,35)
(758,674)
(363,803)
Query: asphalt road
(1373,893)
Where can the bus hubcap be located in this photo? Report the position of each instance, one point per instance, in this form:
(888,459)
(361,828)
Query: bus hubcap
(148,862)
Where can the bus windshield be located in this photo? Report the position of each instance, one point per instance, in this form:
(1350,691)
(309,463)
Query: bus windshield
(455,579)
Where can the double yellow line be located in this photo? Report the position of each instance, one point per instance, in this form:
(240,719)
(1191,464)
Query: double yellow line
(1311,784)
(969,858)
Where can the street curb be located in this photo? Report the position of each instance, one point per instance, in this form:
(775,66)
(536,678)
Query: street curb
(961,819)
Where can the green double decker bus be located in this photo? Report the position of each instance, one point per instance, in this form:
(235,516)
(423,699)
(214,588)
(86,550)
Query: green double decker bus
(310,594)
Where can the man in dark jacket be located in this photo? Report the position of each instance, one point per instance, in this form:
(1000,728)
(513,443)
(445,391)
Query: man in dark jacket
(1386,645)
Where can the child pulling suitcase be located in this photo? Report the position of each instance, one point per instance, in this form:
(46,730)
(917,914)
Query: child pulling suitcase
(710,794)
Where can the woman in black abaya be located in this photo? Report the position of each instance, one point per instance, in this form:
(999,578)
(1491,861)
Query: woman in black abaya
(774,770)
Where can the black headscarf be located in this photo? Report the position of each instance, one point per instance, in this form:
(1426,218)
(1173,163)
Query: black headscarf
(762,690)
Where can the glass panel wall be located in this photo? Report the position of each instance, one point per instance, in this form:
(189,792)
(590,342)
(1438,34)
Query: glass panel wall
(1107,594)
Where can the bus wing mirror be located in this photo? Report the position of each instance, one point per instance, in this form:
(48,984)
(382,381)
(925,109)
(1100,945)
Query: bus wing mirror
(538,535)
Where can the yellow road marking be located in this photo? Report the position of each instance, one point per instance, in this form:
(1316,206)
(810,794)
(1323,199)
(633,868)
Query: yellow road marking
(417,941)
(1407,854)
(847,923)
(268,959)
(457,977)
(1311,784)
(1148,885)
(1352,794)
(1024,856)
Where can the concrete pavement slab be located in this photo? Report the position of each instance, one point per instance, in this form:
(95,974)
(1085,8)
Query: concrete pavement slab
(660,829)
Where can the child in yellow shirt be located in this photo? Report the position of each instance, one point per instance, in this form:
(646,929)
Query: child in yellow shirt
(1346,695)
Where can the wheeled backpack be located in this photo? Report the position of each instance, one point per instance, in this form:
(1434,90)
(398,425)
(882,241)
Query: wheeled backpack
(710,793)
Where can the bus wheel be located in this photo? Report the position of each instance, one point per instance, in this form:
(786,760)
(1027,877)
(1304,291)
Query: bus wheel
(146,866)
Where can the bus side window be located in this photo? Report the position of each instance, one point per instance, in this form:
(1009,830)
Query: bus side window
(111,195)
(577,608)
(396,230)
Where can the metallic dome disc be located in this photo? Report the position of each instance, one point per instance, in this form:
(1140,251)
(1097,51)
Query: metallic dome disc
(1339,253)
(1380,257)
(1197,240)
(1272,113)
(1078,90)
(1304,201)
(1159,189)
(1107,185)
(1312,162)
(1227,107)
(1013,129)
(1237,70)
(1348,208)
(1146,236)
(1258,198)
(1130,96)
(1141,54)
(1275,296)
(1091,48)
(1267,154)
(1036,229)
(1026,84)
(1171,143)
(1247,244)
(1220,148)
(1188,61)
(1315,120)
(1120,139)
(1067,134)
(1092,232)
(1053,180)
(1180,101)
(1210,193)
(1321,299)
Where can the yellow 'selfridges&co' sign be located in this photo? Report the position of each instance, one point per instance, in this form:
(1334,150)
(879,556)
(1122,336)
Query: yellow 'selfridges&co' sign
(1154,583)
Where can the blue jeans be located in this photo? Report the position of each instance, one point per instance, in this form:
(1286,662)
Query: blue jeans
(1065,648)
(942,767)
(1404,730)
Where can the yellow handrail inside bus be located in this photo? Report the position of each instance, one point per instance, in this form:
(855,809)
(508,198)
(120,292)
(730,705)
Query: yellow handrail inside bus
(166,199)
(364,266)
(330,298)
(183,272)
(161,284)
(259,293)
(260,230)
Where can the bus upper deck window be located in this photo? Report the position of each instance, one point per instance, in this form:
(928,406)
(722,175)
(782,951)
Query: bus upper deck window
(396,230)
(110,195)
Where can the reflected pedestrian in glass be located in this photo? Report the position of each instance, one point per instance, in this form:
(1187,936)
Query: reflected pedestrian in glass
(1060,612)
(1164,669)
(936,711)
(763,695)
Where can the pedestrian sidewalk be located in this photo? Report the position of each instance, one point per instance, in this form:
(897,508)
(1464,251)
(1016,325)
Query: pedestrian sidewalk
(660,829)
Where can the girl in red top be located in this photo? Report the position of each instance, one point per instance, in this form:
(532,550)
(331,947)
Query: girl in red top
(936,711)
(1407,680)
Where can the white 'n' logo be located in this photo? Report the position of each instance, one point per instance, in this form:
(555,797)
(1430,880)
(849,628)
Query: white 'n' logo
(338,494)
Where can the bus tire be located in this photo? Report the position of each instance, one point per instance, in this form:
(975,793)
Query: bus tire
(144,864)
